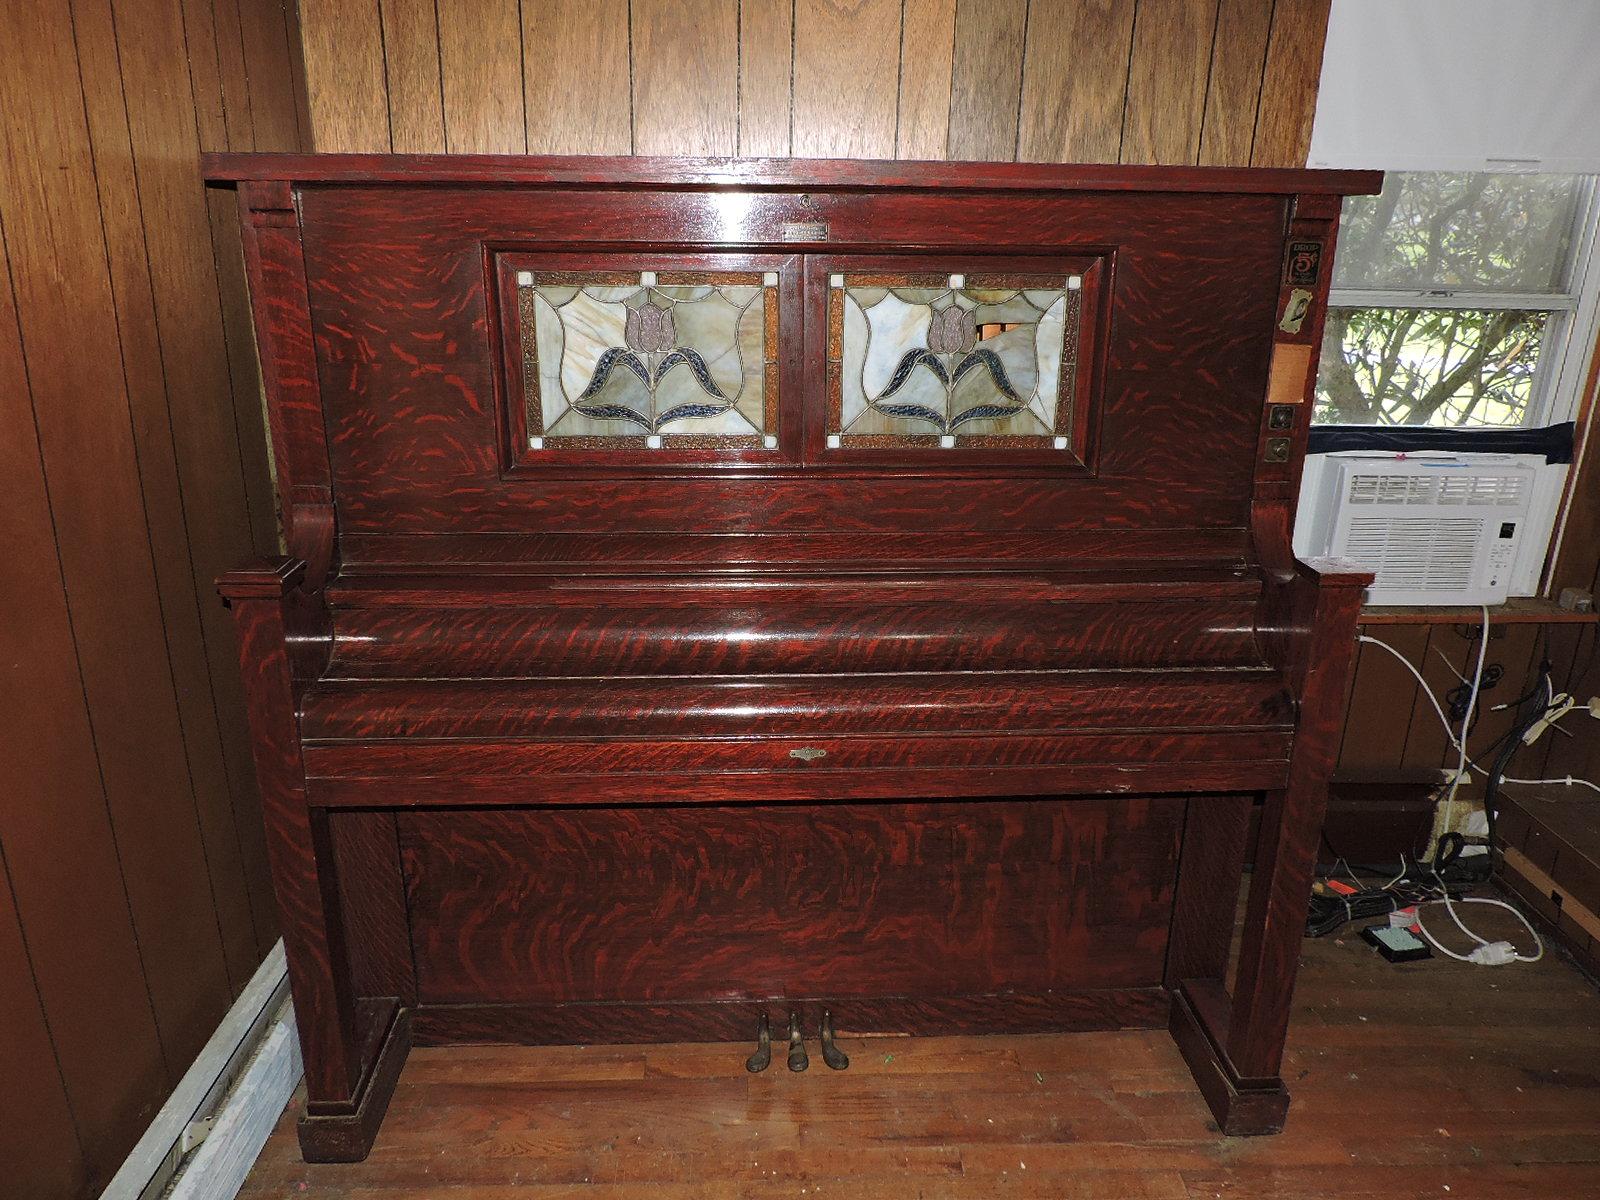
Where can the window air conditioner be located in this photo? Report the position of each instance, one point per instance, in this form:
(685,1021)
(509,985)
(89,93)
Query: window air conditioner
(1433,528)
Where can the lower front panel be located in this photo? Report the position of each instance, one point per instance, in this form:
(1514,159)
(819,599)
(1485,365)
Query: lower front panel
(681,921)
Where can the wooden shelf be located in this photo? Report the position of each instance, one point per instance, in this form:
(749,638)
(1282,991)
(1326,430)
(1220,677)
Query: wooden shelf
(1522,611)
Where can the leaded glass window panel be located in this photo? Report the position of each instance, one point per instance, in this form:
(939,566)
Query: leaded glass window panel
(649,359)
(981,361)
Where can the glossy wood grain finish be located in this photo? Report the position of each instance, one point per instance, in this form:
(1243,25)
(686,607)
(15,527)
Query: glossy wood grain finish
(484,774)
(353,1048)
(1191,272)
(775,174)
(297,837)
(1079,550)
(771,638)
(759,902)
(797,706)
(604,748)
(372,903)
(1322,602)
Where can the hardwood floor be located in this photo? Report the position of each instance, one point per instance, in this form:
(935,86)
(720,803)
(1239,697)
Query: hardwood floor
(1432,1079)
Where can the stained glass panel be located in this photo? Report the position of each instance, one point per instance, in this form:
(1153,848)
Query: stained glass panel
(649,360)
(952,360)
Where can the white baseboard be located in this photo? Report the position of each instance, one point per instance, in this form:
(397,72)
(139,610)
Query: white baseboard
(239,1084)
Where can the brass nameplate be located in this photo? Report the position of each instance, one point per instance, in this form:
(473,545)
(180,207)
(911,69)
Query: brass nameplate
(805,231)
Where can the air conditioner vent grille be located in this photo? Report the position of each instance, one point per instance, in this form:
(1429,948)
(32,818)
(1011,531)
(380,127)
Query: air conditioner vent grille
(1416,553)
(1482,489)
(1466,490)
(1392,489)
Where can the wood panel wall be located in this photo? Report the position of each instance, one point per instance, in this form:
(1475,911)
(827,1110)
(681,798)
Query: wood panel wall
(1136,81)
(134,898)
(1575,651)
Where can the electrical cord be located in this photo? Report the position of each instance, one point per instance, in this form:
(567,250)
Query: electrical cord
(1450,734)
(1414,883)
(1487,953)
(1467,719)
(1329,912)
(1512,742)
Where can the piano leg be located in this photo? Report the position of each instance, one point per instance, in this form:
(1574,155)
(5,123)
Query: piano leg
(353,1047)
(1209,873)
(1234,1045)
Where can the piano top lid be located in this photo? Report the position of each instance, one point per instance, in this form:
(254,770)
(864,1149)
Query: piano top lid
(776,174)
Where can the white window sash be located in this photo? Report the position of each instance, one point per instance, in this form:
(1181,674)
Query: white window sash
(1570,336)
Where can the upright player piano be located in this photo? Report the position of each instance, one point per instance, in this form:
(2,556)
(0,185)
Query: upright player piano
(721,593)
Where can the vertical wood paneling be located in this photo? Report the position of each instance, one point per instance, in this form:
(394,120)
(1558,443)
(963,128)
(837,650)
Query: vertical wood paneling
(1047,80)
(213,538)
(846,78)
(685,77)
(576,75)
(986,79)
(480,58)
(220,46)
(411,65)
(1167,74)
(203,414)
(766,70)
(1575,669)
(1381,702)
(1289,83)
(55,830)
(1238,54)
(268,36)
(927,52)
(1517,652)
(131,450)
(346,93)
(1577,562)
(38,1140)
(198,630)
(85,430)
(205,788)
(1076,80)
(1426,740)
(264,35)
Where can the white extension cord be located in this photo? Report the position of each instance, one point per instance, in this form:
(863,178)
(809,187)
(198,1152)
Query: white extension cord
(1485,953)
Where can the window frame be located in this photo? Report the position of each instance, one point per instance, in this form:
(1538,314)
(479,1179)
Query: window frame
(1563,367)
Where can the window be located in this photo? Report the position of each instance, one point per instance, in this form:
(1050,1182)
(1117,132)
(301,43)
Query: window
(1454,300)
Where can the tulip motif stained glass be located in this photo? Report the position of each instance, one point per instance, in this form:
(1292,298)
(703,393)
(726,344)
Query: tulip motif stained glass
(649,360)
(952,361)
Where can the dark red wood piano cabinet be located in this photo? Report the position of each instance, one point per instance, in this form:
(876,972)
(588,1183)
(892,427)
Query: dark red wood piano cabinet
(717,588)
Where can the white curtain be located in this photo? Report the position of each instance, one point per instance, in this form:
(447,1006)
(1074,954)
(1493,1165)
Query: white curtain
(1460,85)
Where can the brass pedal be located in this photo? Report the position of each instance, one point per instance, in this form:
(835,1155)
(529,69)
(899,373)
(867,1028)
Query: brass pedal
(836,1058)
(762,1058)
(798,1060)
